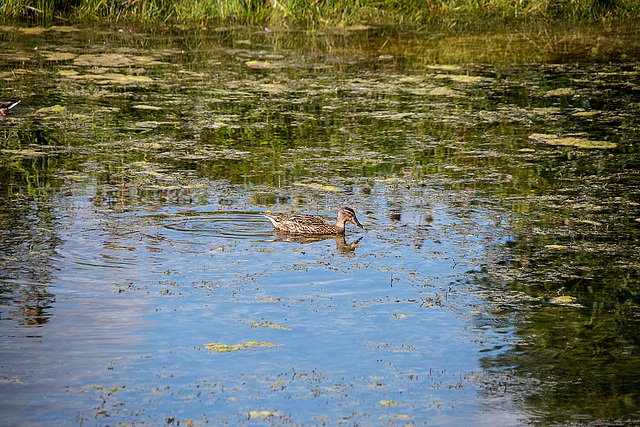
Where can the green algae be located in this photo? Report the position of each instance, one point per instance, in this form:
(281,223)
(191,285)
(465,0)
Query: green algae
(263,414)
(563,91)
(147,107)
(226,348)
(444,91)
(114,60)
(464,78)
(566,300)
(109,78)
(263,65)
(58,56)
(315,186)
(23,153)
(269,325)
(53,109)
(571,141)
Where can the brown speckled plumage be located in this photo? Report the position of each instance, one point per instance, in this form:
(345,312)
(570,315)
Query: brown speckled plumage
(314,224)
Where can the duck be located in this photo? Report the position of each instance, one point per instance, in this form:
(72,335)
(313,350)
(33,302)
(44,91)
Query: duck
(6,106)
(314,224)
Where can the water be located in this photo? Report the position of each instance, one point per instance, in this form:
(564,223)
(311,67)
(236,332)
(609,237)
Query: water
(495,173)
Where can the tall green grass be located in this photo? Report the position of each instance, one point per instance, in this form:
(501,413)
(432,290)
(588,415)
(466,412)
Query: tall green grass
(315,12)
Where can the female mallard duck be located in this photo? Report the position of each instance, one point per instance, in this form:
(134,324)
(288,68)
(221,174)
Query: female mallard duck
(313,224)
(6,106)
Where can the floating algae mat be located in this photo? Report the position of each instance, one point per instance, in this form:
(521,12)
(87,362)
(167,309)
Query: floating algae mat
(571,141)
(225,348)
(269,325)
(316,186)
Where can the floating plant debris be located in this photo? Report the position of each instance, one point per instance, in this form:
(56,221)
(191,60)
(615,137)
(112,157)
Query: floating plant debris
(113,60)
(263,65)
(571,141)
(225,348)
(263,414)
(563,91)
(52,109)
(269,325)
(147,107)
(322,187)
(24,153)
(58,56)
(566,300)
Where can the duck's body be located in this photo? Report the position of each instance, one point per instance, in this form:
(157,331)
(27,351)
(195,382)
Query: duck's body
(314,224)
(6,106)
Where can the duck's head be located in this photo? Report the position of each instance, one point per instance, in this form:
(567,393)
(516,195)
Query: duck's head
(347,214)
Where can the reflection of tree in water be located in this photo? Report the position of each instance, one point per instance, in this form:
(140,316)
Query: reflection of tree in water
(33,303)
(571,297)
(568,364)
(27,242)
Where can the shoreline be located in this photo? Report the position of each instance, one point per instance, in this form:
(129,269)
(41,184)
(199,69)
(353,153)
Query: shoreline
(329,14)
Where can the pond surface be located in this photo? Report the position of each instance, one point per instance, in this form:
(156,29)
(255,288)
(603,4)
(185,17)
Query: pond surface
(496,173)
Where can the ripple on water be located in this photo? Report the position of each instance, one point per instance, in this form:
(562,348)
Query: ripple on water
(236,225)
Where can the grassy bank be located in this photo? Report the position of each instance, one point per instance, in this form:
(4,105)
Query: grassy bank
(322,12)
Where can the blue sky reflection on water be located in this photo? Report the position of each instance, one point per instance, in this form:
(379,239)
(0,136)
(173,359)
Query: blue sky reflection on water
(377,330)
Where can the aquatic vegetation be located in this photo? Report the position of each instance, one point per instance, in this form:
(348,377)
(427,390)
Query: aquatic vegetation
(262,65)
(58,56)
(225,348)
(263,414)
(315,186)
(23,153)
(147,107)
(108,78)
(53,109)
(571,141)
(563,91)
(566,300)
(269,325)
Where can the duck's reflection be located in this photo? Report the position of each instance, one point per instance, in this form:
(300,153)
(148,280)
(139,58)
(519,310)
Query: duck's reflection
(341,243)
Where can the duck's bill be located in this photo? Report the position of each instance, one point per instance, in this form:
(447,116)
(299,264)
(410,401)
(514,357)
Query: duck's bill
(356,222)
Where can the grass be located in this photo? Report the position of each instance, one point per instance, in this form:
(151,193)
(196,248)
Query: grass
(310,12)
